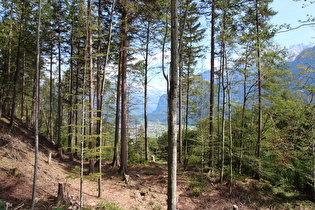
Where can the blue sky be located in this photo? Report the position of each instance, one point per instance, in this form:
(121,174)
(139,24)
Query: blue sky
(291,12)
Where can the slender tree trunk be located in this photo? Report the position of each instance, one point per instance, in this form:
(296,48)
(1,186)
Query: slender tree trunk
(124,144)
(146,140)
(59,91)
(180,87)
(51,138)
(99,100)
(77,106)
(186,115)
(211,127)
(5,78)
(172,98)
(180,115)
(243,118)
(83,125)
(23,87)
(229,86)
(17,69)
(163,54)
(70,102)
(116,162)
(102,91)
(223,68)
(259,95)
(91,95)
(37,105)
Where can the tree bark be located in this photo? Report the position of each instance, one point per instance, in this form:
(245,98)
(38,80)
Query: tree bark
(116,162)
(259,136)
(36,106)
(124,144)
(70,102)
(211,126)
(91,93)
(17,69)
(146,94)
(172,106)
(51,96)
(63,197)
(59,85)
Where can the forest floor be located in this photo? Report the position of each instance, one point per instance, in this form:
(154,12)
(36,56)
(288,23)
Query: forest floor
(147,188)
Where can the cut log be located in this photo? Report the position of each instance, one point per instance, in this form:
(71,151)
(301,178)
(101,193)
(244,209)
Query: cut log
(63,197)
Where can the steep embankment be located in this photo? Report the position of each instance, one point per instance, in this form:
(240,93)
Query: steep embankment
(17,165)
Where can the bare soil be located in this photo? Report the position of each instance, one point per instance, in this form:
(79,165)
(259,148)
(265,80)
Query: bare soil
(147,188)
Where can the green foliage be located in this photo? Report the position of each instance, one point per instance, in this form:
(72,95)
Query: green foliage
(2,205)
(197,186)
(105,205)
(163,146)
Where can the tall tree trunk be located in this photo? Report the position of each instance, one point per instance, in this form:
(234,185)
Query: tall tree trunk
(51,138)
(223,68)
(146,140)
(59,88)
(186,115)
(230,130)
(37,105)
(124,144)
(259,94)
(23,87)
(116,162)
(180,116)
(180,86)
(84,117)
(99,100)
(172,98)
(70,96)
(17,68)
(163,54)
(5,78)
(243,115)
(211,126)
(102,90)
(91,95)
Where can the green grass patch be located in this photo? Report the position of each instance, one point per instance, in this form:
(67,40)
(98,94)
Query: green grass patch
(108,206)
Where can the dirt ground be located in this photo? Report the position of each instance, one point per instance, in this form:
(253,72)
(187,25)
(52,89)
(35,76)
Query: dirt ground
(147,188)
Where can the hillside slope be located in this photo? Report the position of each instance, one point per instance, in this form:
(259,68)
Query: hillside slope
(146,190)
(17,165)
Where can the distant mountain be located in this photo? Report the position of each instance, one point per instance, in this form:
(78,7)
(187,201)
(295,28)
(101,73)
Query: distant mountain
(160,113)
(303,69)
(295,50)
(304,56)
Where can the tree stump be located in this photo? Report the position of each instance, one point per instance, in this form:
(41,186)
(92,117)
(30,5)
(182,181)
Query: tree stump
(60,154)
(235,207)
(49,158)
(63,197)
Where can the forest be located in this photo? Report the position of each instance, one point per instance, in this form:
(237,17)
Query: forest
(80,73)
